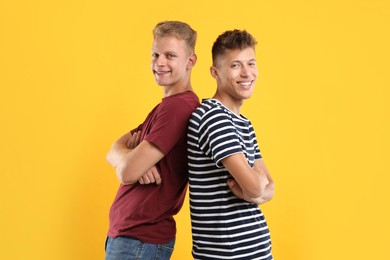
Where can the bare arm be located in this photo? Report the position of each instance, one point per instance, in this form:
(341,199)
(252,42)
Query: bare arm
(269,190)
(251,184)
(122,146)
(132,160)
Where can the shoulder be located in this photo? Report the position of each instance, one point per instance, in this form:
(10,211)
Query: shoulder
(182,102)
(212,108)
(176,109)
(210,112)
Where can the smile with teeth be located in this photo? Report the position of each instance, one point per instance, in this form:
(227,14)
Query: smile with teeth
(161,72)
(245,83)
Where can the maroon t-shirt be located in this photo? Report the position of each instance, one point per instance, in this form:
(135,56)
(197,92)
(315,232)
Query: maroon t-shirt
(145,212)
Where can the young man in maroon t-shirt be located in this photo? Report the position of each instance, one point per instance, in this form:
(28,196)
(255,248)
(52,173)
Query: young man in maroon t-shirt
(151,160)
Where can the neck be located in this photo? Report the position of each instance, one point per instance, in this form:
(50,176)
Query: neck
(172,90)
(227,101)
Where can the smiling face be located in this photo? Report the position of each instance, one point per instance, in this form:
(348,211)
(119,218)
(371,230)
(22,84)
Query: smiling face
(171,62)
(236,73)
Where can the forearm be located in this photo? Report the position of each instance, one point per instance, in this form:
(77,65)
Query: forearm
(252,181)
(256,187)
(116,154)
(134,163)
(267,195)
(121,159)
(269,191)
(121,149)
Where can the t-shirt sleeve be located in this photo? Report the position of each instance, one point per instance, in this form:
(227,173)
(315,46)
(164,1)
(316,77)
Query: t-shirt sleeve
(218,137)
(170,125)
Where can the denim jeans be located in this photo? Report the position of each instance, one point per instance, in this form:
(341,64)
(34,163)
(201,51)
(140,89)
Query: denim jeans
(127,248)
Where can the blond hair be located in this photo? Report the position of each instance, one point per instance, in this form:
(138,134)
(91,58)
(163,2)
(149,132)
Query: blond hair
(177,29)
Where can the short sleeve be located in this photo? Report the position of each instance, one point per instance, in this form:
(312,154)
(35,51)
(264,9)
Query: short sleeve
(218,137)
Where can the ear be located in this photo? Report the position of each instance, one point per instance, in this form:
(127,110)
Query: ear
(214,72)
(191,61)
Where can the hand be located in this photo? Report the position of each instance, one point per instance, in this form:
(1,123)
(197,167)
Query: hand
(133,140)
(151,176)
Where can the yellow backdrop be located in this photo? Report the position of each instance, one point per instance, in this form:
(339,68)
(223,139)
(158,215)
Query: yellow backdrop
(75,75)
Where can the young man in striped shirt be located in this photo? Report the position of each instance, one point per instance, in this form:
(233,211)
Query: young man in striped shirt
(228,178)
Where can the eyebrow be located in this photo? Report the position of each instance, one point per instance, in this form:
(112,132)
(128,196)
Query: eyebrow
(165,53)
(240,61)
(170,52)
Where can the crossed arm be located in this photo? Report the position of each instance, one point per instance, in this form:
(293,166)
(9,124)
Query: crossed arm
(251,184)
(135,161)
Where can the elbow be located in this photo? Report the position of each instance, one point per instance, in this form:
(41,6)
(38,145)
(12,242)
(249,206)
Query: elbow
(110,158)
(255,193)
(125,180)
(272,190)
(257,189)
(123,176)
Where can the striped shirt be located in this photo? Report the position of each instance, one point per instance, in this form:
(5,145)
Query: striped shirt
(223,225)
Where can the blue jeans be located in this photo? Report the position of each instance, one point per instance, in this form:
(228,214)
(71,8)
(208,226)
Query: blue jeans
(127,248)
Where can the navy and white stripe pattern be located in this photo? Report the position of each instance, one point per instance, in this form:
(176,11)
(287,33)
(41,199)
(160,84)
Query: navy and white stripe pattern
(223,225)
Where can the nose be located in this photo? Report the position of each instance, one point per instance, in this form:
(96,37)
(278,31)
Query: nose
(244,71)
(160,61)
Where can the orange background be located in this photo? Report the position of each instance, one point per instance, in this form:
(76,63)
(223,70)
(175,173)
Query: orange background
(75,75)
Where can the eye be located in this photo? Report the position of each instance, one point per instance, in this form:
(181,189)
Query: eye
(252,63)
(154,55)
(170,56)
(235,65)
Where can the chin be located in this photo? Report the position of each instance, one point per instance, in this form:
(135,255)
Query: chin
(161,82)
(247,96)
